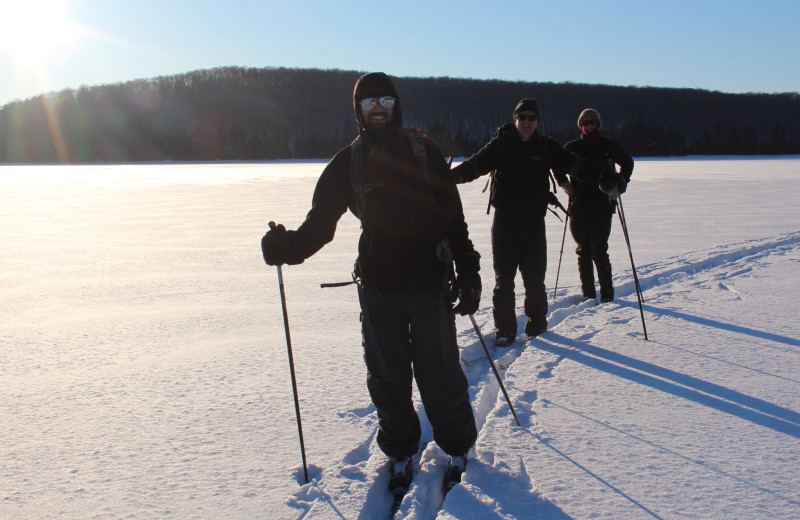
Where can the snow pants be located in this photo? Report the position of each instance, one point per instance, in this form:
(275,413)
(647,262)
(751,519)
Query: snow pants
(519,243)
(407,337)
(590,227)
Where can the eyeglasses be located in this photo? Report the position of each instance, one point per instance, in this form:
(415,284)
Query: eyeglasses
(370,102)
(588,122)
(526,117)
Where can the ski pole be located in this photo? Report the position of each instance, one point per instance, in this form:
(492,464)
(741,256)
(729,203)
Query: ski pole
(561,253)
(291,367)
(639,295)
(624,222)
(494,368)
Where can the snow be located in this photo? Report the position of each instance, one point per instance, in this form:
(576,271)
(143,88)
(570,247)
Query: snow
(145,370)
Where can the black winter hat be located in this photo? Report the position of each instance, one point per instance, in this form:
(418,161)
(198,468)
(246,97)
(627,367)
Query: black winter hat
(376,84)
(526,105)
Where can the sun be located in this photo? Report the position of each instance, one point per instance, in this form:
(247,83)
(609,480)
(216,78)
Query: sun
(36,31)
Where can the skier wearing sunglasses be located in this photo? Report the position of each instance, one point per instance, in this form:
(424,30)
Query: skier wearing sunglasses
(413,230)
(592,209)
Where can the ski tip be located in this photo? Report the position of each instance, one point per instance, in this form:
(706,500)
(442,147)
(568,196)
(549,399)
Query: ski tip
(397,500)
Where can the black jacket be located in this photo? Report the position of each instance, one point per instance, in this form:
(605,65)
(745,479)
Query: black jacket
(600,151)
(522,177)
(410,214)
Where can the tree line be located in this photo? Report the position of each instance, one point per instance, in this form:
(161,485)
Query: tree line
(235,113)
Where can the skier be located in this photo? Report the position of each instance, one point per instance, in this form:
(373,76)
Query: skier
(592,209)
(413,230)
(521,159)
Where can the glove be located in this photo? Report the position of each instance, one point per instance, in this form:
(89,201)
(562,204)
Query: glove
(468,288)
(568,189)
(275,245)
(608,180)
(622,183)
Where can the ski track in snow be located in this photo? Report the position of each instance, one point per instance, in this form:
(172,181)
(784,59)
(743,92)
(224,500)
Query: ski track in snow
(363,473)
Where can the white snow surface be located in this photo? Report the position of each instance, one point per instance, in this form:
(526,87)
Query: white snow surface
(145,370)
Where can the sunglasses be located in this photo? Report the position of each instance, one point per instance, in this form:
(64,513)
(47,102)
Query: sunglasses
(588,122)
(370,102)
(526,117)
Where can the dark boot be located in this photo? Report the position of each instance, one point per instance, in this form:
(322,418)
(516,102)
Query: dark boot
(535,326)
(586,272)
(606,285)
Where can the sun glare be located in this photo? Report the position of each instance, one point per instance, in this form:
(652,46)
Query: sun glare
(36,31)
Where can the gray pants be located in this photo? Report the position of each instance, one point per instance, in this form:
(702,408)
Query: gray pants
(413,336)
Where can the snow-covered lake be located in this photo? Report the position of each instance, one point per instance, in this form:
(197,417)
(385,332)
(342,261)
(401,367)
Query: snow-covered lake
(145,372)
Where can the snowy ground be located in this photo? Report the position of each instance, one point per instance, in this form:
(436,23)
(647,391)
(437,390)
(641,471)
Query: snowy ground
(145,372)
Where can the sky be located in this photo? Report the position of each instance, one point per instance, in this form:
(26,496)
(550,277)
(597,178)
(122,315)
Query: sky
(729,46)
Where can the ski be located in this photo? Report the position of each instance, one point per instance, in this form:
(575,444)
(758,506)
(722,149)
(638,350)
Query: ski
(397,498)
(402,474)
(498,356)
(471,359)
(448,485)
(474,355)
(452,475)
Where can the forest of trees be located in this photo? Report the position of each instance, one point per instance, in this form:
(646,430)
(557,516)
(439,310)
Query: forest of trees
(235,113)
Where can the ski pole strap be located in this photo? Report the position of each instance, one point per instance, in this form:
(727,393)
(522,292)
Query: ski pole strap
(554,213)
(552,200)
(488,180)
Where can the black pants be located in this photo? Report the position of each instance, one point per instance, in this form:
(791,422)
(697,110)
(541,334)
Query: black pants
(519,243)
(413,336)
(590,227)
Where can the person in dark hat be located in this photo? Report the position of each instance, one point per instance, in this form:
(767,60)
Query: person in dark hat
(413,231)
(520,159)
(592,209)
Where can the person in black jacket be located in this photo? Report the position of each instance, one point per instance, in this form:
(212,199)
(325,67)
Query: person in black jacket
(521,159)
(413,230)
(592,209)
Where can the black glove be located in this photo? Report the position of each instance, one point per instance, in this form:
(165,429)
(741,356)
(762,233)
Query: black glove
(608,180)
(622,183)
(468,288)
(275,245)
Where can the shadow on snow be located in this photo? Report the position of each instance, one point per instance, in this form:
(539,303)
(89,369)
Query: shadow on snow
(708,394)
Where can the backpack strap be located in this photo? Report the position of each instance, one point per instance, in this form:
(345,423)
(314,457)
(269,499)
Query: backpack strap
(357,159)
(357,176)
(502,131)
(420,153)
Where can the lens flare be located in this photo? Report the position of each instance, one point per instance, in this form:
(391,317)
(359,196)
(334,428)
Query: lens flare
(36,32)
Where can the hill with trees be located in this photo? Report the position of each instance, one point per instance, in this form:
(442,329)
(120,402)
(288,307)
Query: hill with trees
(235,113)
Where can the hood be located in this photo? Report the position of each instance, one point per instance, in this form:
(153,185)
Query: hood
(381,85)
